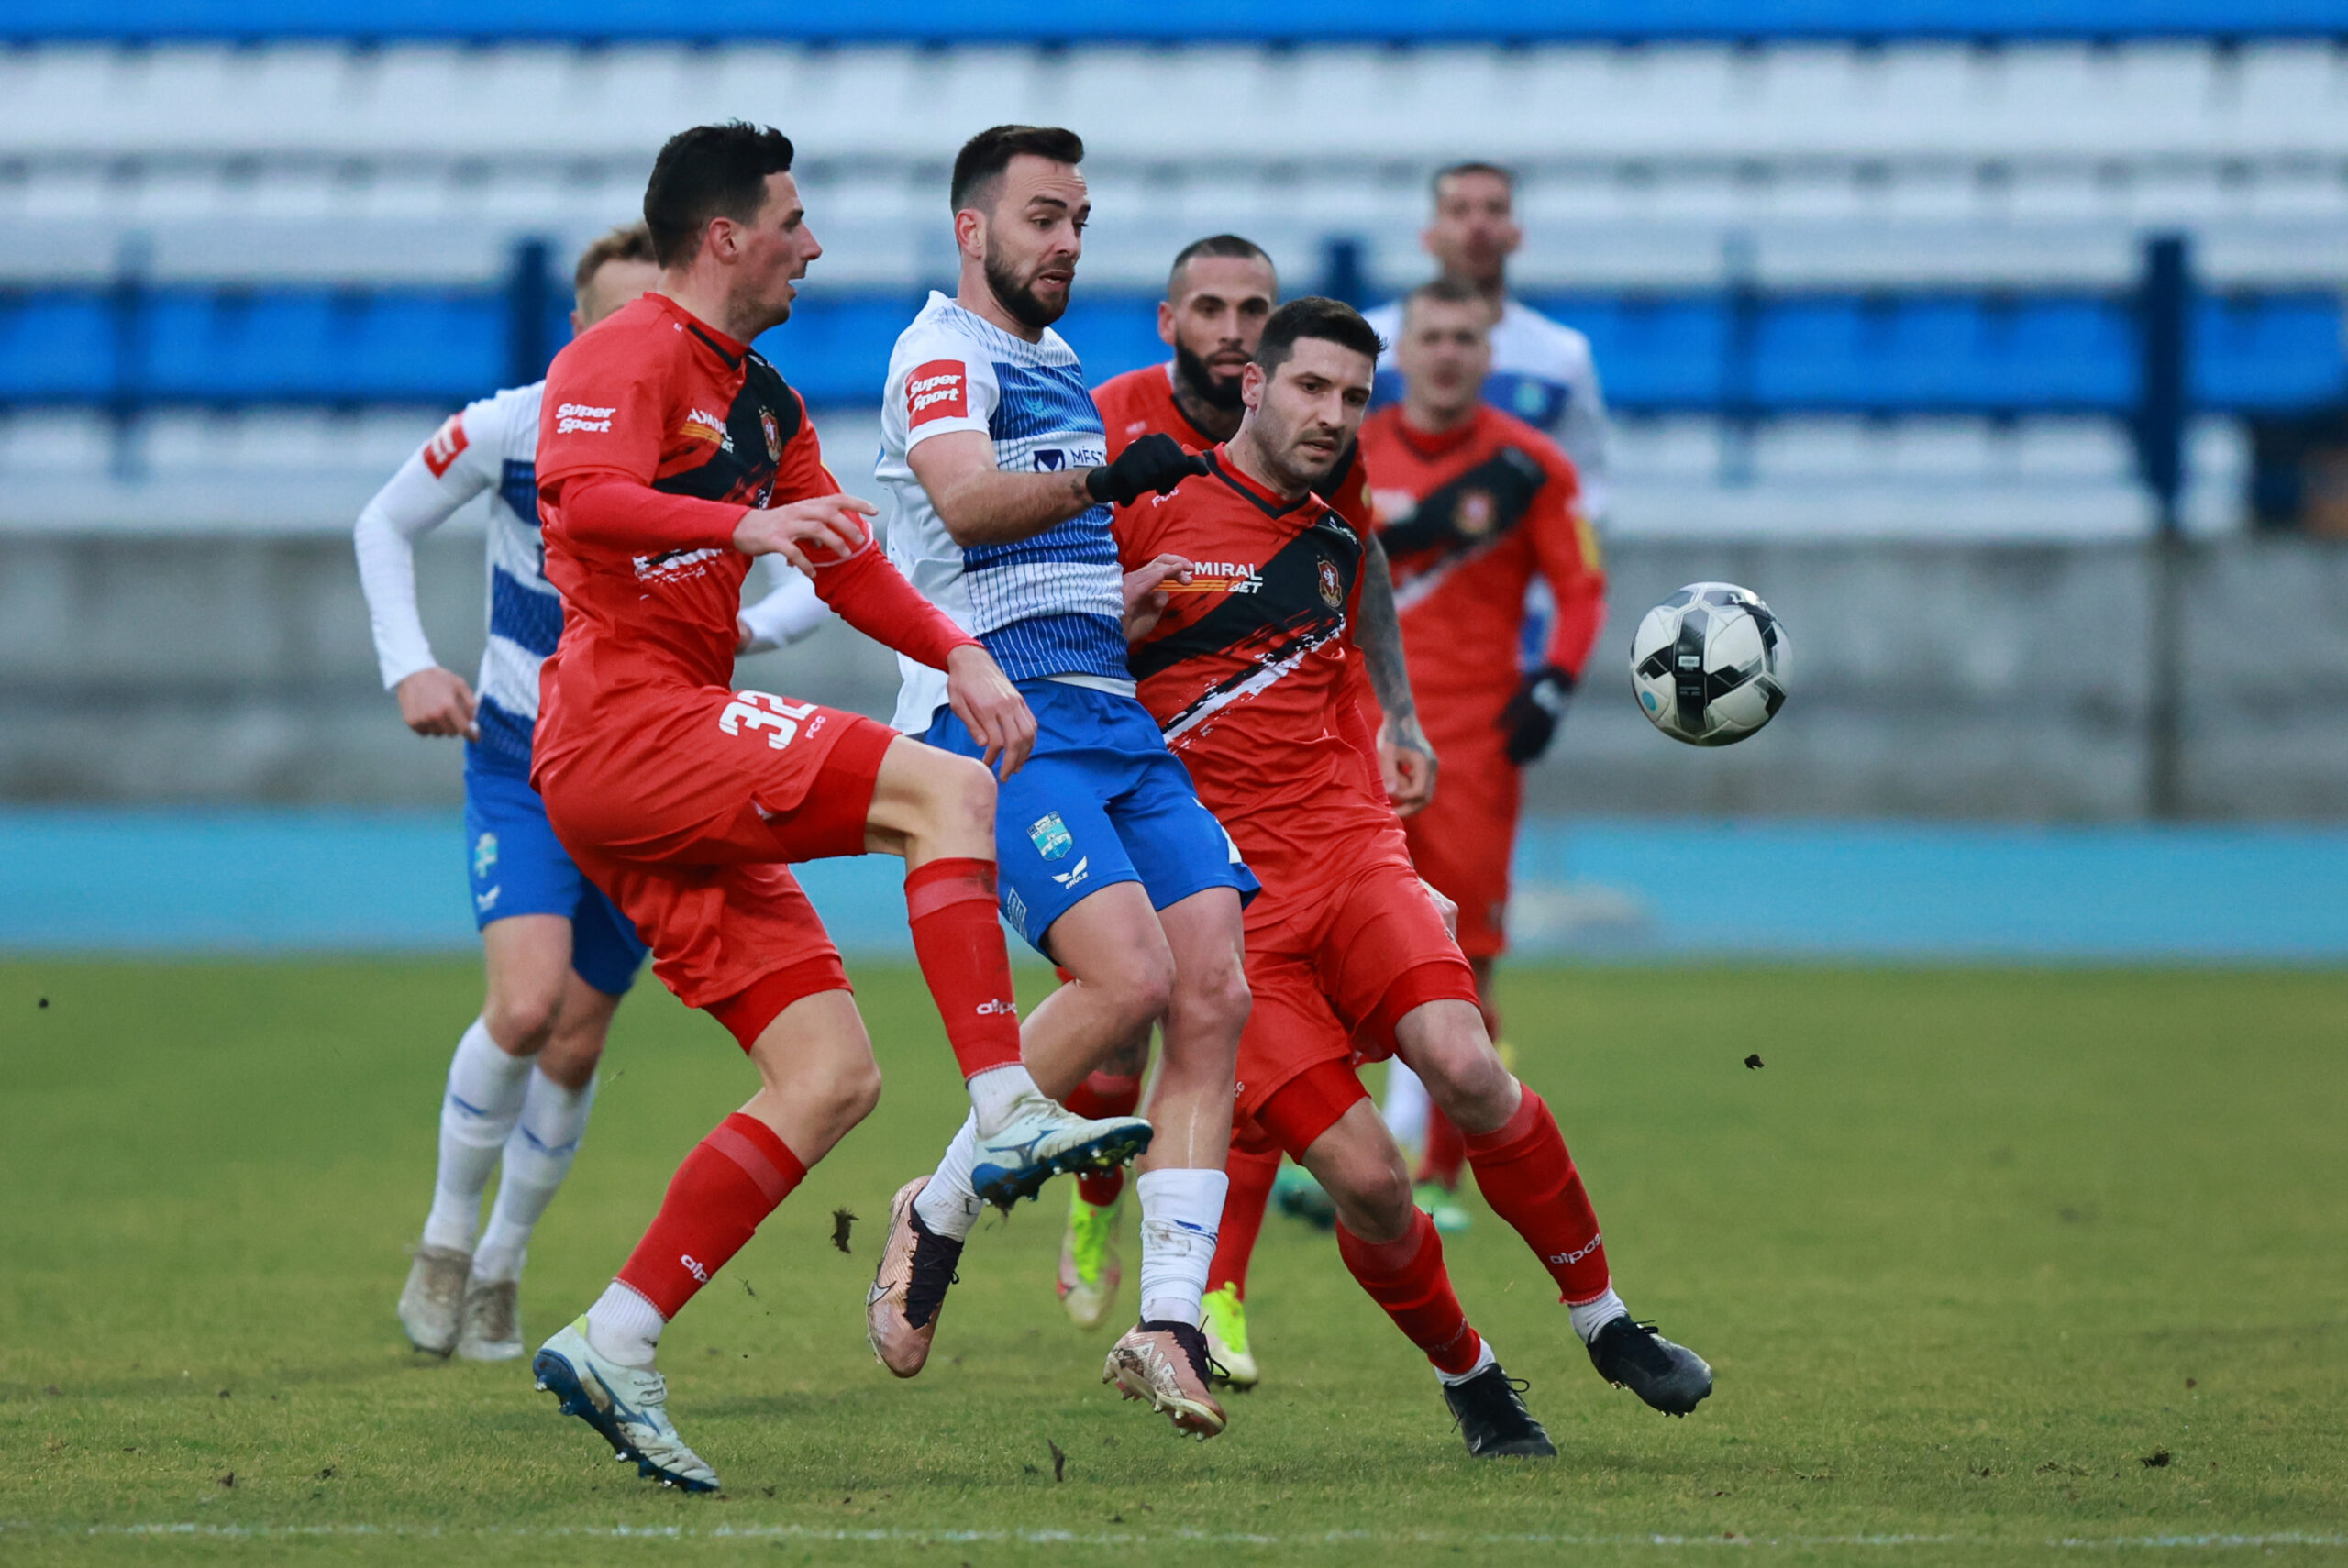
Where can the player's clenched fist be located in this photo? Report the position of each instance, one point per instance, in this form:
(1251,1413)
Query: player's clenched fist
(991,708)
(1147,594)
(437,702)
(808,534)
(1151,466)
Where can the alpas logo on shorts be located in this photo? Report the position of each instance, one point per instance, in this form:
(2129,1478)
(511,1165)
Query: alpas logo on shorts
(582,416)
(446,444)
(1051,837)
(936,391)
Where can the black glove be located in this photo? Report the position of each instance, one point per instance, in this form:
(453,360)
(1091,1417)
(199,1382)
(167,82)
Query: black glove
(1532,715)
(1155,464)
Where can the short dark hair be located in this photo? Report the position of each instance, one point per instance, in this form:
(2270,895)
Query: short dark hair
(1475,166)
(1446,290)
(1333,321)
(629,242)
(985,155)
(707,172)
(1230,245)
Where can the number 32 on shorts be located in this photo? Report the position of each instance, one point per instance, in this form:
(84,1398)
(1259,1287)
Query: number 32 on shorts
(756,711)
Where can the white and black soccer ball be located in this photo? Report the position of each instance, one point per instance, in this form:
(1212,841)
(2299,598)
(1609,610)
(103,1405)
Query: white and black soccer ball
(1709,664)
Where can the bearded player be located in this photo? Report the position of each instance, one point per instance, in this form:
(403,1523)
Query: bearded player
(670,455)
(1001,490)
(1248,674)
(1541,371)
(1219,292)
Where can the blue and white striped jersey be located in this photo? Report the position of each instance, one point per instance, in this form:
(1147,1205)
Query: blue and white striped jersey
(1048,607)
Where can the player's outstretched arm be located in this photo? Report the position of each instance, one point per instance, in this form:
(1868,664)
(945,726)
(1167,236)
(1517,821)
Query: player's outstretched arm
(981,505)
(1146,595)
(426,491)
(1403,750)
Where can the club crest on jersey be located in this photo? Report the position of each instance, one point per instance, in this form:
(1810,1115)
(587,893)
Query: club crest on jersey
(1333,589)
(1051,837)
(446,444)
(936,390)
(773,433)
(1475,513)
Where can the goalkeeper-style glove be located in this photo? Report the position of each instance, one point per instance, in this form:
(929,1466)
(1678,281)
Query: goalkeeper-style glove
(1532,715)
(1155,464)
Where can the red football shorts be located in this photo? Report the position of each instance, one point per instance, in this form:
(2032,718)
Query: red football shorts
(1462,841)
(1334,968)
(685,807)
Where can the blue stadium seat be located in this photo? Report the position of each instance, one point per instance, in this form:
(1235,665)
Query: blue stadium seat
(55,346)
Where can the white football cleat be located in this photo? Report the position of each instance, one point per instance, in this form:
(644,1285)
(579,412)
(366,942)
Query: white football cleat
(628,1406)
(492,1321)
(1041,1139)
(434,1296)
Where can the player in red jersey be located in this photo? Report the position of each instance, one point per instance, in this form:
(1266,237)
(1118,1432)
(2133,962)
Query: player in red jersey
(1249,675)
(670,454)
(1219,292)
(1473,503)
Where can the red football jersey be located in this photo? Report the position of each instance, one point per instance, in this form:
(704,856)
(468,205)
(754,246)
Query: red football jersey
(1250,674)
(1467,518)
(655,396)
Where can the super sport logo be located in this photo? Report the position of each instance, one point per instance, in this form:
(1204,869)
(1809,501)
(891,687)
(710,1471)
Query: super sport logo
(573,416)
(446,443)
(936,391)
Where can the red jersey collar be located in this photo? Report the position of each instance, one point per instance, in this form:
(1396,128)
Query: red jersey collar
(1270,506)
(1429,445)
(731,349)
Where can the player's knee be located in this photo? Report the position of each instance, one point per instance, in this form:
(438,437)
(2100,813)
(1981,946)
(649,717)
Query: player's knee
(850,1092)
(961,804)
(572,1054)
(1376,1196)
(522,1019)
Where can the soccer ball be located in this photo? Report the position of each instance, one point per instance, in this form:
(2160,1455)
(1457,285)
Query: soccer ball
(1709,664)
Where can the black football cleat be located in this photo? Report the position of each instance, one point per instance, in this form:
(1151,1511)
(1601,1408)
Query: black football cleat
(1672,1378)
(1490,1415)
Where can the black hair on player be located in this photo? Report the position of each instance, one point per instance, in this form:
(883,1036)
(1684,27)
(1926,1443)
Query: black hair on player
(1229,245)
(1454,171)
(709,172)
(978,167)
(1331,321)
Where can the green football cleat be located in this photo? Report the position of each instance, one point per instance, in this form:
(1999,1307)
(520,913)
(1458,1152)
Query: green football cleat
(1296,1194)
(1089,1269)
(1442,1206)
(1226,1331)
(628,1406)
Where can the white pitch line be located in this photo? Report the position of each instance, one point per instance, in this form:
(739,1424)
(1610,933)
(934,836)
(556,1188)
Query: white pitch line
(2207,1542)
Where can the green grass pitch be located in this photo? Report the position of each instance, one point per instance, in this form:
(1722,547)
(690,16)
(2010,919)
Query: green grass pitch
(1994,1266)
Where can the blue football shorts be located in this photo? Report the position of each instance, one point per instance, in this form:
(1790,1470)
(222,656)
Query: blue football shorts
(519,867)
(1100,801)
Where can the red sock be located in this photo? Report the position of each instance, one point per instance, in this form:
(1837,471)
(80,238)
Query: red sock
(1407,1278)
(951,905)
(1103,1094)
(1447,1150)
(1529,1179)
(1251,1170)
(733,1179)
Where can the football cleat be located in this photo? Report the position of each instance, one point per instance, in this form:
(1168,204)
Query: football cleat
(1301,1196)
(491,1327)
(434,1297)
(1227,1332)
(1442,1206)
(1043,1139)
(1166,1363)
(1088,1267)
(909,1286)
(1488,1409)
(628,1406)
(1672,1378)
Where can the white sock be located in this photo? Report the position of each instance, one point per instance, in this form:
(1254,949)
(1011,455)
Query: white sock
(625,1327)
(537,1157)
(476,1114)
(1405,1109)
(1181,1211)
(1484,1358)
(995,1095)
(1591,1316)
(949,1205)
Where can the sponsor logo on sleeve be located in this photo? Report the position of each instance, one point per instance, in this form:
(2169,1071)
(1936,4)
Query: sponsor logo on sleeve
(446,443)
(937,390)
(584,417)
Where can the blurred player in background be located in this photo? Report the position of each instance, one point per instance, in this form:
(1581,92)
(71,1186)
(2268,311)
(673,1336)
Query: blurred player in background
(1474,506)
(670,454)
(1219,292)
(1252,587)
(560,956)
(1541,373)
(1001,489)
